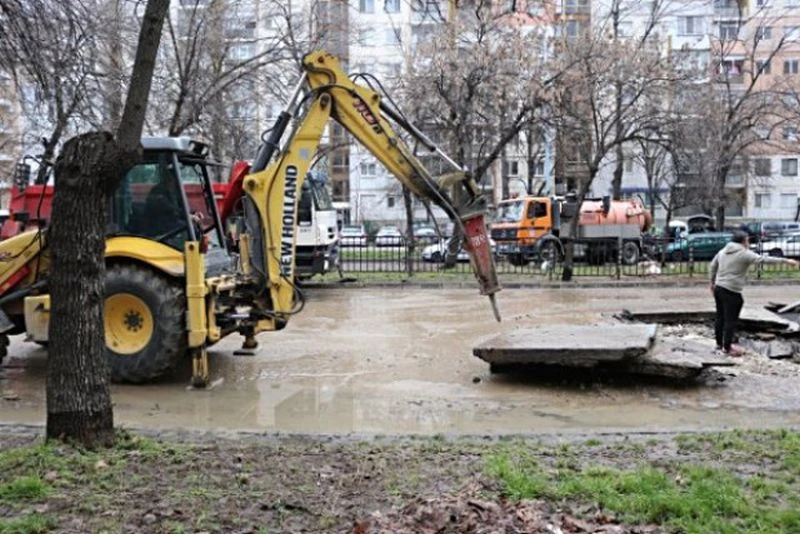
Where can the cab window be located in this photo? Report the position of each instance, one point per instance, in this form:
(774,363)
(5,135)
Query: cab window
(536,210)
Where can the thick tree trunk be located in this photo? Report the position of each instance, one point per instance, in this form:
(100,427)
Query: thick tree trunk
(87,170)
(78,397)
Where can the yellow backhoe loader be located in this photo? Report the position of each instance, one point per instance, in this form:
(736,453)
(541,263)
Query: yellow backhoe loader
(174,287)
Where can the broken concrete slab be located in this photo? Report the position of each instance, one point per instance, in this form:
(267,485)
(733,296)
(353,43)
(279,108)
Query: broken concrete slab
(775,349)
(763,319)
(569,345)
(676,358)
(751,318)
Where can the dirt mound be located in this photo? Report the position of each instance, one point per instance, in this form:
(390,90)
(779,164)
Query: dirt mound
(466,512)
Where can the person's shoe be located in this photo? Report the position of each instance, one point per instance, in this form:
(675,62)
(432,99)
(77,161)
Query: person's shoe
(734,351)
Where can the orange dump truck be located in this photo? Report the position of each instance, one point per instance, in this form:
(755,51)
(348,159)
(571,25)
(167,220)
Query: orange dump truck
(529,227)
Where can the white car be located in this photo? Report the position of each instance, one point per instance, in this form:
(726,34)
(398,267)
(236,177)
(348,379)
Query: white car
(787,246)
(353,236)
(389,236)
(436,253)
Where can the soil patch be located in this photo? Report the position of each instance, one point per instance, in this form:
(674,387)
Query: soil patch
(301,484)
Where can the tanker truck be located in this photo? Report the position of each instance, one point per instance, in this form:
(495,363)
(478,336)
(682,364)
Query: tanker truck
(530,228)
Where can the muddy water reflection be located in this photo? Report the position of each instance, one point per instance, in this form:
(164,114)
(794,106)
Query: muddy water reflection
(400,361)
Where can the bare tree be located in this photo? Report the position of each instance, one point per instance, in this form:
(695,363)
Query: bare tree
(51,50)
(476,83)
(88,169)
(613,95)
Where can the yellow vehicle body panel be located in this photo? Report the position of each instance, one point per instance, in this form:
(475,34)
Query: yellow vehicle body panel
(153,253)
(37,317)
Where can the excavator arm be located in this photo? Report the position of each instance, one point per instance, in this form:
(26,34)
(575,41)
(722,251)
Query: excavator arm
(274,184)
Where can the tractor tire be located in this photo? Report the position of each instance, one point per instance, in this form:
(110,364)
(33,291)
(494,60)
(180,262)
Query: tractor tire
(145,324)
(630,253)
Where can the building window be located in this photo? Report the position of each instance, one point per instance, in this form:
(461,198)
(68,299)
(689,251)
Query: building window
(763,167)
(389,202)
(511,167)
(789,167)
(368,169)
(392,6)
(576,6)
(789,200)
(366,6)
(538,169)
(763,66)
(762,200)
(791,66)
(392,36)
(691,26)
(627,164)
(791,32)
(573,28)
(790,133)
(763,33)
(728,30)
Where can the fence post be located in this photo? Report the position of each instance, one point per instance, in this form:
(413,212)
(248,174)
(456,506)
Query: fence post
(619,257)
(691,261)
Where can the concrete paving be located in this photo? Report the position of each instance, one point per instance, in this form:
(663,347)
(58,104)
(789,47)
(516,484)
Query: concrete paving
(568,345)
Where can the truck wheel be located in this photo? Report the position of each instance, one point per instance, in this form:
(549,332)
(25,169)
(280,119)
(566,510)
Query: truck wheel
(517,260)
(630,253)
(144,320)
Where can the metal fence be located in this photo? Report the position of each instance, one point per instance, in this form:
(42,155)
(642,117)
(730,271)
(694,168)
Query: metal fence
(683,257)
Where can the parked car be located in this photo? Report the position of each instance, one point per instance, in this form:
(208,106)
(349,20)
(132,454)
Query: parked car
(767,230)
(704,246)
(389,236)
(426,234)
(435,253)
(787,246)
(353,236)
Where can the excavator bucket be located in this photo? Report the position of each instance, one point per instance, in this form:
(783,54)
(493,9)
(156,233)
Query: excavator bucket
(479,247)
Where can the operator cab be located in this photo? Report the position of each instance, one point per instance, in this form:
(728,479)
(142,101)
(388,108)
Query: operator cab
(168,198)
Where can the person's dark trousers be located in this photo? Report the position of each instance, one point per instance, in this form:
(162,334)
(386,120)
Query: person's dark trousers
(729,304)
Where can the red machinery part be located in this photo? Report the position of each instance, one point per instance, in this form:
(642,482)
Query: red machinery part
(478,245)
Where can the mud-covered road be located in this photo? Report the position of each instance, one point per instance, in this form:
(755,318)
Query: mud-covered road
(399,361)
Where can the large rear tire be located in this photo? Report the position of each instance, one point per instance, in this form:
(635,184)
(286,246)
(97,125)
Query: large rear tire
(144,320)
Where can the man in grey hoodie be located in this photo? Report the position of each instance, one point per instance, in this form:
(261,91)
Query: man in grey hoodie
(728,271)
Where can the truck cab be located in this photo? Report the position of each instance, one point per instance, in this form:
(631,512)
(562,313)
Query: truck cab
(519,223)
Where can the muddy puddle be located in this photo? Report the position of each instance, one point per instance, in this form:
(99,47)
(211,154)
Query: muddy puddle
(391,361)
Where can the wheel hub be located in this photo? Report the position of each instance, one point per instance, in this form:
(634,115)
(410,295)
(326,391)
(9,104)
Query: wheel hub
(128,323)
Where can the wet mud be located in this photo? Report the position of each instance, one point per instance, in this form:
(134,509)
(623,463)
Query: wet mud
(399,361)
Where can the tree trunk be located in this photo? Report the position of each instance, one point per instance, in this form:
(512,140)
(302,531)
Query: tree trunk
(87,170)
(411,246)
(616,181)
(722,177)
(569,250)
(78,397)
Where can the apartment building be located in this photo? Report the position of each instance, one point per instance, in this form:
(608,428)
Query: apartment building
(747,46)
(10,135)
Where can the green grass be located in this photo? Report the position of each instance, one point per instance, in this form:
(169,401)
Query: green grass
(30,524)
(24,488)
(692,497)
